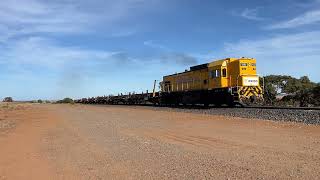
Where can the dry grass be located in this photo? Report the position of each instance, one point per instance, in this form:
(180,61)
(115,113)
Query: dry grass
(8,112)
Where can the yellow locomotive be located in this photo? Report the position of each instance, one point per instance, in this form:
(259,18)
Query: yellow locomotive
(228,81)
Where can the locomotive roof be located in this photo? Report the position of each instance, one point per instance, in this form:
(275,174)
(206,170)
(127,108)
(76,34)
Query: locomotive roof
(199,67)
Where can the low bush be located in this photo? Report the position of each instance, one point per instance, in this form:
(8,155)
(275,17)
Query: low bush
(66,101)
(8,99)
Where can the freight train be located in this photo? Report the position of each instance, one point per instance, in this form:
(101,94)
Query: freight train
(229,81)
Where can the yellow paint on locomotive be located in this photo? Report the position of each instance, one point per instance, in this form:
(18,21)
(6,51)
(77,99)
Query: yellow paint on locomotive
(232,72)
(225,73)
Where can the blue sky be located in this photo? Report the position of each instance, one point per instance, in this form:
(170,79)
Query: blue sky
(81,48)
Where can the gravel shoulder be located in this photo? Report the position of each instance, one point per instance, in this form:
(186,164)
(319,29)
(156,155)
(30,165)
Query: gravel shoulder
(284,115)
(112,142)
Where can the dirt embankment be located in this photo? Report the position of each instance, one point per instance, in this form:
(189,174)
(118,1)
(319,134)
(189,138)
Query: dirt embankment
(107,142)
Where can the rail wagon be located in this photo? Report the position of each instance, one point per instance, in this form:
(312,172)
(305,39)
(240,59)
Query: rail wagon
(228,81)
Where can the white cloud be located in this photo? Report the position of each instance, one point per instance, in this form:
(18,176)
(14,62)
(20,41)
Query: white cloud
(65,16)
(310,17)
(284,45)
(37,16)
(295,54)
(152,44)
(251,14)
(123,33)
(42,52)
(24,26)
(38,52)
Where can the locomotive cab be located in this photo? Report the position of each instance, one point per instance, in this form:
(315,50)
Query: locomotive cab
(246,82)
(218,74)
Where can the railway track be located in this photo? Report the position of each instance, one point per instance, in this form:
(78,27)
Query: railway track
(221,107)
(283,107)
(305,115)
(147,99)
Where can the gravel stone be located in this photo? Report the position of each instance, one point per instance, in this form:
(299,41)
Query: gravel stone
(289,115)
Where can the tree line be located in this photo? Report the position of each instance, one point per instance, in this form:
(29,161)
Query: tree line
(290,91)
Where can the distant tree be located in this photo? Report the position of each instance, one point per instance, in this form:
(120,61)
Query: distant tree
(40,101)
(316,95)
(302,90)
(66,101)
(306,83)
(292,85)
(304,97)
(8,99)
(270,93)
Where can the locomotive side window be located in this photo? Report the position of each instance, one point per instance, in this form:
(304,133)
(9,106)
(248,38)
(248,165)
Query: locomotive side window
(218,73)
(167,86)
(224,72)
(215,73)
(244,64)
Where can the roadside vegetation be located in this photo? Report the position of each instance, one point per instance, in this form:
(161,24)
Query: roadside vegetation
(290,91)
(66,101)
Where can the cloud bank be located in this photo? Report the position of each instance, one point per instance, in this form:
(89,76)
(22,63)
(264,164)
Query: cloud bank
(308,18)
(251,14)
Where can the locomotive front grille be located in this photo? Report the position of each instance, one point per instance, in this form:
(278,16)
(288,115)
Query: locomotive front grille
(249,91)
(250,95)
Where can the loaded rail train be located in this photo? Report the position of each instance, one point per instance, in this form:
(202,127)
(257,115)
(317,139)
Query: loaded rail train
(229,81)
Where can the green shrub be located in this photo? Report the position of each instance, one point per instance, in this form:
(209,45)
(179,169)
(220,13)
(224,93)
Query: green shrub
(300,92)
(66,101)
(8,99)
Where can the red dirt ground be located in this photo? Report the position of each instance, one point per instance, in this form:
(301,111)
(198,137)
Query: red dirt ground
(106,142)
